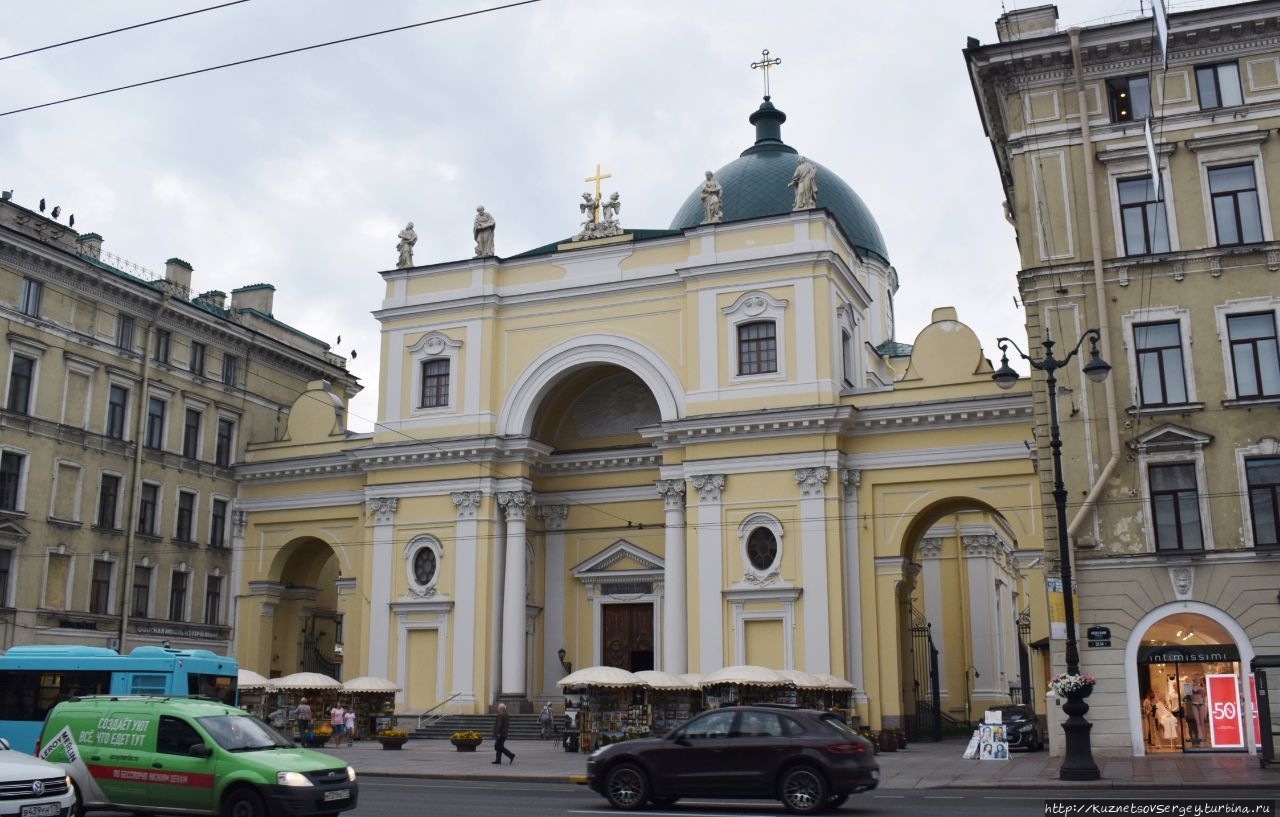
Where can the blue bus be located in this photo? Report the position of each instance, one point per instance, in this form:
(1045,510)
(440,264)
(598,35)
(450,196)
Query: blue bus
(35,677)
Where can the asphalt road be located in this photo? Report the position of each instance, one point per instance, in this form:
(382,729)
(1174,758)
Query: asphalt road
(389,795)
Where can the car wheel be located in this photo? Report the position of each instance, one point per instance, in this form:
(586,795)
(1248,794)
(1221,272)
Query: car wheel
(803,790)
(243,802)
(77,808)
(837,800)
(663,802)
(626,787)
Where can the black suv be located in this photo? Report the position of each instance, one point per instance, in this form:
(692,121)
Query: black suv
(809,760)
(1021,728)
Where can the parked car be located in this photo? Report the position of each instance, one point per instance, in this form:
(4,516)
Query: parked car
(33,788)
(809,760)
(1021,728)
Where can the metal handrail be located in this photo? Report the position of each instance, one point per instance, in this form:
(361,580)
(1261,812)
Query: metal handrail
(427,718)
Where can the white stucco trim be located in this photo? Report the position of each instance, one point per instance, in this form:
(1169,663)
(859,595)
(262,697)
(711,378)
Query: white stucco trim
(516,416)
(1131,695)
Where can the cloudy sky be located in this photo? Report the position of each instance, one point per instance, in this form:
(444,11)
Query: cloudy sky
(299,171)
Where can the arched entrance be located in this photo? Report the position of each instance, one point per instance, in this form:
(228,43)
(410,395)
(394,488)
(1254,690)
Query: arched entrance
(307,619)
(1188,682)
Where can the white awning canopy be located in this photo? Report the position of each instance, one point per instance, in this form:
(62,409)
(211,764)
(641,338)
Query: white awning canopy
(657,679)
(600,677)
(251,680)
(746,674)
(803,680)
(307,680)
(368,683)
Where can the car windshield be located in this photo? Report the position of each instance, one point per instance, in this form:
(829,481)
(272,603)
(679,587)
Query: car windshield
(243,733)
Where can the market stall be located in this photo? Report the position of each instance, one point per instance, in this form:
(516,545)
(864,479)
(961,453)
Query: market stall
(810,691)
(838,696)
(603,705)
(254,692)
(372,700)
(320,691)
(746,684)
(671,700)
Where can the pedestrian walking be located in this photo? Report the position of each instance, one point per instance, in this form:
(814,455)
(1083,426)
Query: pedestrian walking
(349,724)
(501,725)
(544,721)
(304,715)
(337,722)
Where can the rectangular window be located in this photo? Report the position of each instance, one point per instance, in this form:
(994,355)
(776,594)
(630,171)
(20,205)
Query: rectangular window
(846,356)
(1255,358)
(435,383)
(141,607)
(230,369)
(6,569)
(1234,194)
(213,600)
(1264,500)
(10,480)
(32,293)
(1175,506)
(1161,379)
(178,597)
(117,405)
(191,434)
(100,589)
(226,434)
(186,514)
(1142,217)
(124,332)
(108,497)
(218,524)
(757,348)
(1219,85)
(155,423)
(148,506)
(1129,98)
(197,357)
(164,340)
(20,377)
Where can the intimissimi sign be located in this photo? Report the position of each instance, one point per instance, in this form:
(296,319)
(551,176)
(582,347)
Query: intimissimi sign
(1188,654)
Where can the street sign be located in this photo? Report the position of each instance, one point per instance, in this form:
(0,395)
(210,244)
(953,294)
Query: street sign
(1099,636)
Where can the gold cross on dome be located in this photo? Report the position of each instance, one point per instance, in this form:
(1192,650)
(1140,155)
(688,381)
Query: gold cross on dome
(599,177)
(764,64)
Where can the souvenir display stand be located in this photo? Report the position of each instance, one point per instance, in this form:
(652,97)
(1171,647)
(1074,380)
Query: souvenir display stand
(609,703)
(319,690)
(746,684)
(254,693)
(809,691)
(671,700)
(370,698)
(838,696)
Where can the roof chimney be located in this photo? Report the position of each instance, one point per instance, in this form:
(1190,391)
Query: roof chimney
(216,297)
(90,244)
(177,274)
(1023,24)
(257,297)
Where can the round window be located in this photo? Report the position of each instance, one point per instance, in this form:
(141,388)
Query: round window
(762,548)
(424,566)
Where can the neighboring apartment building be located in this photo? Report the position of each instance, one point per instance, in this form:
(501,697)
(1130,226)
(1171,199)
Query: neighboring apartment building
(1173,466)
(127,404)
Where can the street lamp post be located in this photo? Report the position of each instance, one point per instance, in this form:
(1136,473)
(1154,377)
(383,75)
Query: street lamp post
(1077,764)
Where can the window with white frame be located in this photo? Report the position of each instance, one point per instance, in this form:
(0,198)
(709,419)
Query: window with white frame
(1219,85)
(218,523)
(1143,221)
(422,557)
(191,433)
(32,295)
(1237,216)
(1255,357)
(213,600)
(226,440)
(760,542)
(125,332)
(100,587)
(756,336)
(230,370)
(1263,475)
(109,502)
(184,528)
(6,576)
(1175,507)
(149,509)
(850,346)
(12,472)
(155,422)
(435,359)
(178,595)
(117,411)
(141,603)
(22,371)
(163,346)
(196,362)
(1161,374)
(1129,98)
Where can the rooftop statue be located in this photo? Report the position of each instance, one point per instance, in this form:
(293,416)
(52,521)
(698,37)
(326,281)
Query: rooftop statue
(407,239)
(482,229)
(805,181)
(712,197)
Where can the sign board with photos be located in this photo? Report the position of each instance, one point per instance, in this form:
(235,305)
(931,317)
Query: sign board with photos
(993,741)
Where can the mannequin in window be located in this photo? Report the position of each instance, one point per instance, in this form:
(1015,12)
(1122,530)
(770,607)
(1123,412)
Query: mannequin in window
(1149,719)
(1168,722)
(1196,709)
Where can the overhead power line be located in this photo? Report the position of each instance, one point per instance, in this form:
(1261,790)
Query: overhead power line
(118,30)
(270,56)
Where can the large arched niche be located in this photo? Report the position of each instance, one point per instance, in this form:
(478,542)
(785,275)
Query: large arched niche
(595,407)
(600,356)
(945,508)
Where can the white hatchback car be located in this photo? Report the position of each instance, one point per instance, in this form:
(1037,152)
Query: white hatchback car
(30,787)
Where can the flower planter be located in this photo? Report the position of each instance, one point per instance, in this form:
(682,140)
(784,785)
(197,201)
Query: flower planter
(466,745)
(393,743)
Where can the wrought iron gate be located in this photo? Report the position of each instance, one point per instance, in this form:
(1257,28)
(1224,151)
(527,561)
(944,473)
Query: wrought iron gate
(927,720)
(1024,659)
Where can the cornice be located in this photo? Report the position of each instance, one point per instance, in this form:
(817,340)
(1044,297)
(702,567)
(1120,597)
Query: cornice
(738,425)
(970,412)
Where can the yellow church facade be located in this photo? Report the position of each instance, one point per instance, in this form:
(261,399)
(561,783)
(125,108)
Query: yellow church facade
(677,449)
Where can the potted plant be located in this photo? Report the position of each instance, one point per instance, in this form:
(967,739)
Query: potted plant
(392,738)
(466,741)
(1072,686)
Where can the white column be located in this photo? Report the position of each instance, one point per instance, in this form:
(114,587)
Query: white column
(553,632)
(517,505)
(710,580)
(980,567)
(930,554)
(814,568)
(467,597)
(239,521)
(498,546)
(854,638)
(383,511)
(675,581)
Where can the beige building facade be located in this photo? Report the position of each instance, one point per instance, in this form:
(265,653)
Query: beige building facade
(129,401)
(1172,465)
(680,449)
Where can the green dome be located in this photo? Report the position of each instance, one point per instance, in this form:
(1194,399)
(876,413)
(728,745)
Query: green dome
(755,184)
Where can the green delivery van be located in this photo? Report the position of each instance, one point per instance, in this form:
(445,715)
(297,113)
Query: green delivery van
(168,755)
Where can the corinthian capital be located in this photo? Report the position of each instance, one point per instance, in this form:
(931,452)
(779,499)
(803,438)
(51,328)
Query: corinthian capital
(812,480)
(383,509)
(709,487)
(517,504)
(465,503)
(553,516)
(672,493)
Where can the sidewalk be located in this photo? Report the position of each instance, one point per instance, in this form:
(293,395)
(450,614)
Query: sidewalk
(923,766)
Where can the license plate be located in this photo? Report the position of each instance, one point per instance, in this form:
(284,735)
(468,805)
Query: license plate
(41,810)
(329,796)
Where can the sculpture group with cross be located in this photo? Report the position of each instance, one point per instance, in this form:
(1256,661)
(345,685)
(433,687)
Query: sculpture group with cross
(601,215)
